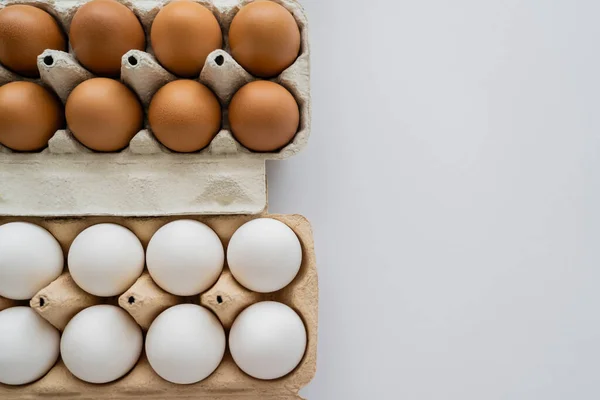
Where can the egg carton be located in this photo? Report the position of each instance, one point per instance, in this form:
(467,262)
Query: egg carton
(62,299)
(146,178)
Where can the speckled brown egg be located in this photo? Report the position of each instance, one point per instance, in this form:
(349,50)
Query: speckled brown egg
(29,115)
(103,114)
(184,115)
(25,32)
(101,32)
(263,116)
(182,35)
(264,38)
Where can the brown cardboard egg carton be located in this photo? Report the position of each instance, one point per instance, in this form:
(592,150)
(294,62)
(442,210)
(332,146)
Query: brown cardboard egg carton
(62,299)
(223,178)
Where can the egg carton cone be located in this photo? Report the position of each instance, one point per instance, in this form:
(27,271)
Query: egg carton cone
(145,300)
(62,299)
(146,178)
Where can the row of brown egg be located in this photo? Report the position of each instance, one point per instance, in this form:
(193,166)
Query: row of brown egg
(185,116)
(263,37)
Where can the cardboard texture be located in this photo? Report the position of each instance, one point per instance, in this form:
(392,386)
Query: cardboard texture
(144,301)
(67,187)
(223,178)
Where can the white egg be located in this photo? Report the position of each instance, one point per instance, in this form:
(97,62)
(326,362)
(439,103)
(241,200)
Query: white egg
(106,259)
(101,343)
(29,346)
(185,257)
(267,340)
(185,344)
(30,258)
(264,255)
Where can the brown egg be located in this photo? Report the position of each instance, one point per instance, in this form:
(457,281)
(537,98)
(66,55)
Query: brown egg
(101,32)
(184,115)
(29,116)
(25,32)
(264,38)
(103,114)
(263,116)
(182,35)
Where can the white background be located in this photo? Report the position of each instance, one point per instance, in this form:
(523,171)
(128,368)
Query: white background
(453,182)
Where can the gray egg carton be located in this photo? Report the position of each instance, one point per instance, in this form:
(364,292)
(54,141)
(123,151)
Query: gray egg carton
(146,178)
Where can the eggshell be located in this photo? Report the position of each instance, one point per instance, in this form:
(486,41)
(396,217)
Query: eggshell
(263,116)
(29,116)
(182,35)
(184,115)
(267,340)
(101,344)
(264,255)
(103,114)
(29,346)
(223,299)
(106,259)
(25,32)
(185,257)
(264,38)
(30,258)
(185,344)
(101,32)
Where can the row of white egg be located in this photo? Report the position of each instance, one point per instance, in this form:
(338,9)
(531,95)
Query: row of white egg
(184,257)
(185,344)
